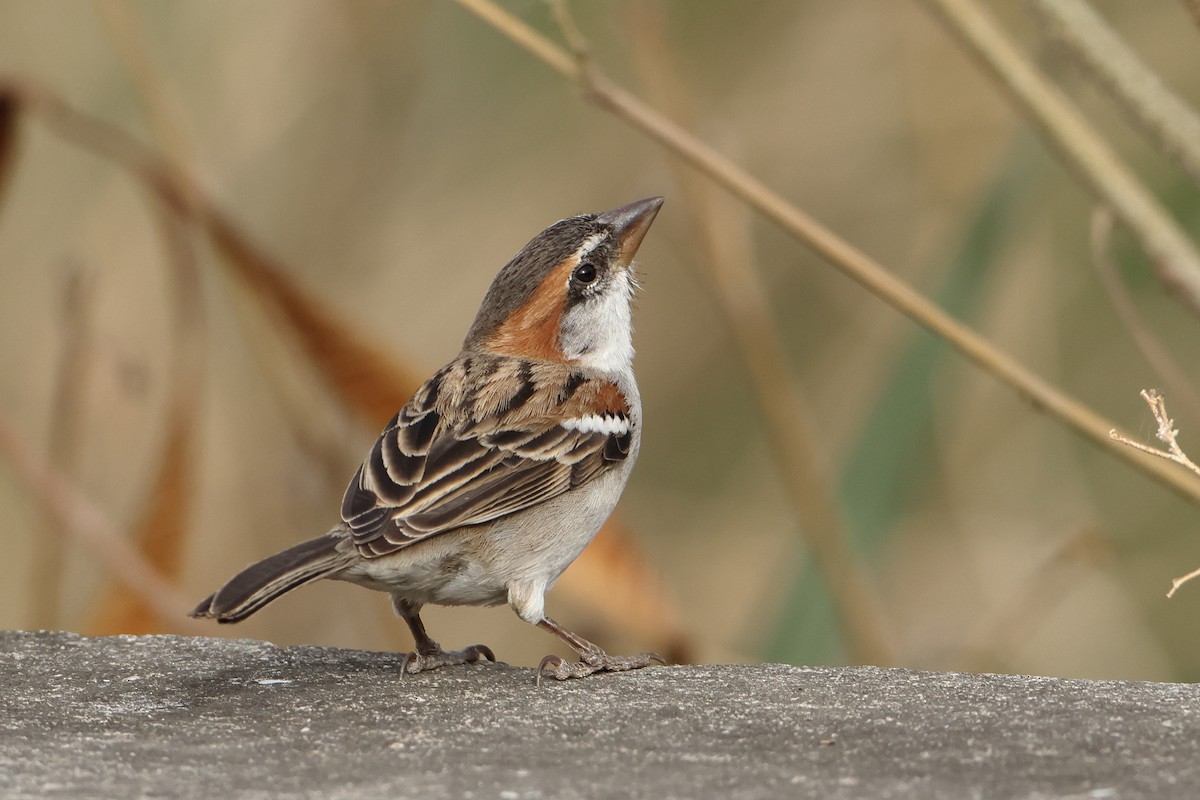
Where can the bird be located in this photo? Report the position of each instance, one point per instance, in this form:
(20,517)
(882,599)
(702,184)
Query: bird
(503,466)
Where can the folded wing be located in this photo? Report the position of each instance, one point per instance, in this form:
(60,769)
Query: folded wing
(447,460)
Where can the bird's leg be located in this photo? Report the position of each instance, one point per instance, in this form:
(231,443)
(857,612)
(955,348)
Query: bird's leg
(429,654)
(591,657)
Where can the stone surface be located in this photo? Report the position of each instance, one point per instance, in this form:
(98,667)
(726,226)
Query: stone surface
(181,718)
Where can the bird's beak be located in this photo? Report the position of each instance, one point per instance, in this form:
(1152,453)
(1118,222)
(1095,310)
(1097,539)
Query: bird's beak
(629,225)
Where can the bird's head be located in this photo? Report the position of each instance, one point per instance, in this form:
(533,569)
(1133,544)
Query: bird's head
(567,295)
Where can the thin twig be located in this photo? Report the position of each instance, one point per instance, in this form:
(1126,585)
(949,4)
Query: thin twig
(1153,350)
(1180,581)
(121,20)
(839,253)
(1168,435)
(1078,144)
(1167,122)
(94,135)
(574,39)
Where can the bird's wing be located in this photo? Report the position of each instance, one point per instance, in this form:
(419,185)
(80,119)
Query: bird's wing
(446,462)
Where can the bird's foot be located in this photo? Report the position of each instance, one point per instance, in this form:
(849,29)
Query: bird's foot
(598,661)
(432,659)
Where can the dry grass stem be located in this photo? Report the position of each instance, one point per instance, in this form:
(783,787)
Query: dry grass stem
(574,39)
(1079,145)
(70,389)
(1180,581)
(1168,435)
(723,232)
(1166,121)
(1156,355)
(842,255)
(87,526)
(124,27)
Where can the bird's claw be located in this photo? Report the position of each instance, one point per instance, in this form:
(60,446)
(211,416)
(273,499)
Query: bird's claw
(590,663)
(412,663)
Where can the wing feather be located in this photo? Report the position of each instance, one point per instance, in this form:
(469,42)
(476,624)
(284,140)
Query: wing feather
(442,464)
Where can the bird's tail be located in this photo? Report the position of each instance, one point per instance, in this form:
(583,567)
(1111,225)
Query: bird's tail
(260,583)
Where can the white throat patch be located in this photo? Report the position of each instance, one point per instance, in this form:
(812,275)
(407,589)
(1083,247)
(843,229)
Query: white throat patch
(599,333)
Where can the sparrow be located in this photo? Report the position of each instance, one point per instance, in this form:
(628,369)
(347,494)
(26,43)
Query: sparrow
(503,466)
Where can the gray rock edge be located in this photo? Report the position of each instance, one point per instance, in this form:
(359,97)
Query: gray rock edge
(166,716)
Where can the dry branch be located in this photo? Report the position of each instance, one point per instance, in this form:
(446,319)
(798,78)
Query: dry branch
(1168,435)
(1165,120)
(1079,145)
(839,253)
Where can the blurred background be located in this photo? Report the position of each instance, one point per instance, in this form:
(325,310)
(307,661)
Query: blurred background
(203,381)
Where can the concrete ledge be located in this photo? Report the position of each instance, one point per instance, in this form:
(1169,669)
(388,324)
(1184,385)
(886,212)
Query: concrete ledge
(174,717)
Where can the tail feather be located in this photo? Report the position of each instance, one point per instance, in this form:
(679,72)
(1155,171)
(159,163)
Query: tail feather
(260,583)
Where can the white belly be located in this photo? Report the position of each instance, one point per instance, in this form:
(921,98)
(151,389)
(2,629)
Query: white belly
(478,565)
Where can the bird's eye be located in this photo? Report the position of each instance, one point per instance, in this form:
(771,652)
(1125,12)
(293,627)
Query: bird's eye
(585,273)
